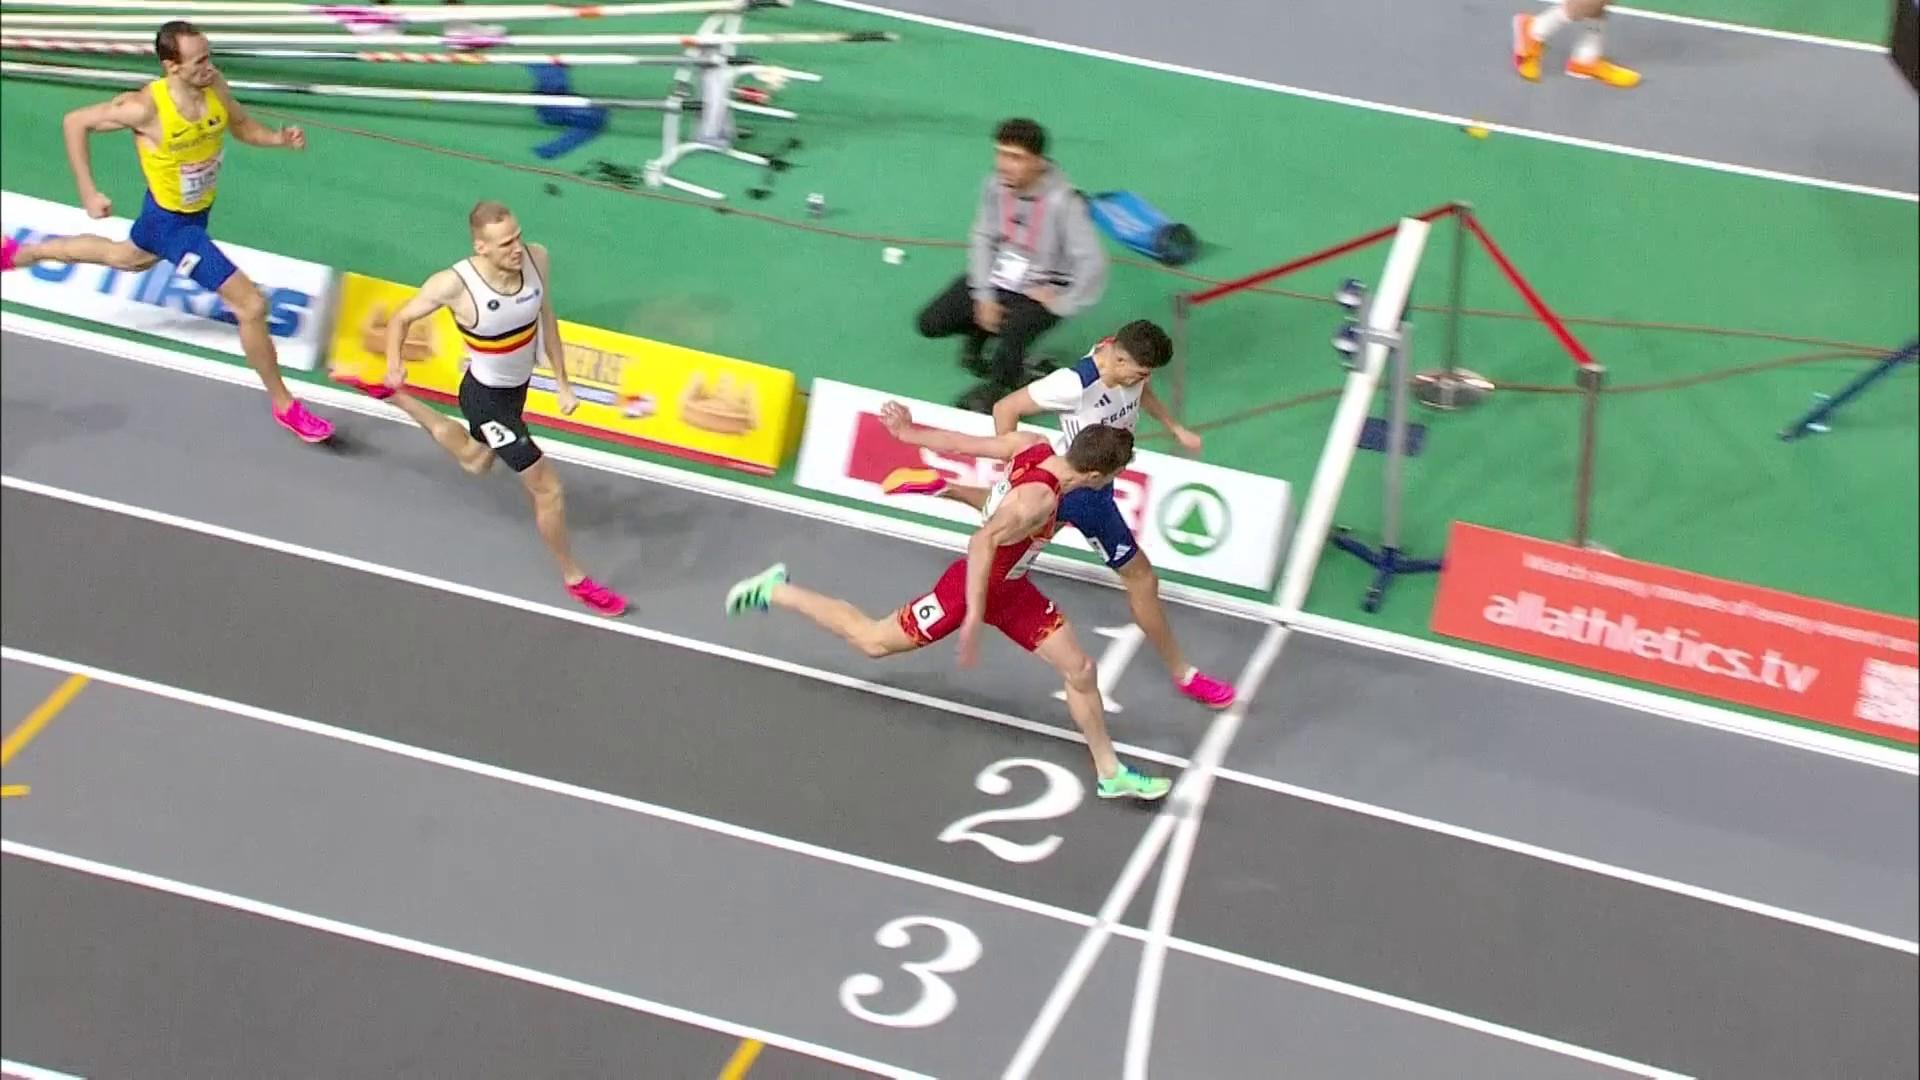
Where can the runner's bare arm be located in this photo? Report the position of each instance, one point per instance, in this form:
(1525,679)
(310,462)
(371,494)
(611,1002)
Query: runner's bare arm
(1023,510)
(1008,411)
(1003,447)
(1151,404)
(549,322)
(251,131)
(439,291)
(131,110)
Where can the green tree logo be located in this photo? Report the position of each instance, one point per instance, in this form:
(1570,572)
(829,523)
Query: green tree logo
(1194,519)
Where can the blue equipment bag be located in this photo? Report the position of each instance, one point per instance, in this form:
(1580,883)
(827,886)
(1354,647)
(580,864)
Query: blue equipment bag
(1134,222)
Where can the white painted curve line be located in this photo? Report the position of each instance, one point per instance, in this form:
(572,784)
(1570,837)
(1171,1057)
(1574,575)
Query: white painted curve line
(1173,876)
(446,955)
(806,506)
(1087,953)
(1184,801)
(1751,171)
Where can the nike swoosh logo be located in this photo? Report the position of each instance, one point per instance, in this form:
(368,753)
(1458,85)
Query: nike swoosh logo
(182,131)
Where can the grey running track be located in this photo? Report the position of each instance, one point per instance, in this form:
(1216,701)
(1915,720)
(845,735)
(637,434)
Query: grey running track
(354,791)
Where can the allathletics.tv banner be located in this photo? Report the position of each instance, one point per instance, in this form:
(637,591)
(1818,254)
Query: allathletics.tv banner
(1792,655)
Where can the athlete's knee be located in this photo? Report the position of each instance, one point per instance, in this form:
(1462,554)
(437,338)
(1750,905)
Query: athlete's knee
(543,483)
(1079,672)
(244,299)
(873,641)
(1138,576)
(477,461)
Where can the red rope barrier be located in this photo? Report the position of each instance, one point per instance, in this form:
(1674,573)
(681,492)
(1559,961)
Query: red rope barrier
(1539,306)
(1304,261)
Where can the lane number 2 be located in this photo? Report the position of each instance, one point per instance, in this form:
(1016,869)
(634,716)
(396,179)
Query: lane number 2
(960,951)
(1062,795)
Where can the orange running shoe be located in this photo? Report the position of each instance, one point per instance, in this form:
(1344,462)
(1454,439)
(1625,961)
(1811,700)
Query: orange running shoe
(1604,70)
(1526,51)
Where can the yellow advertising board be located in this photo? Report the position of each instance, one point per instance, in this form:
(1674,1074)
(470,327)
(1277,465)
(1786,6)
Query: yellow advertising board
(644,393)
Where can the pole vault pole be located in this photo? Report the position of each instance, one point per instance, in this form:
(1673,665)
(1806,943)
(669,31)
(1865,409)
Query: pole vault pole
(327,15)
(538,41)
(385,93)
(126,48)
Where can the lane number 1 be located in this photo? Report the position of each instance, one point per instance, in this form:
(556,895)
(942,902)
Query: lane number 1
(1124,641)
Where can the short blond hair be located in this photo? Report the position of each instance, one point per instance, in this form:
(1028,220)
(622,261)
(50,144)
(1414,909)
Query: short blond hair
(486,212)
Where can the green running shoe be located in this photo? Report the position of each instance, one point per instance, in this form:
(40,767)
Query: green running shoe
(1127,784)
(757,591)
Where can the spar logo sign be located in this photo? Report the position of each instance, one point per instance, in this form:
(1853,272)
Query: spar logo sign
(1194,519)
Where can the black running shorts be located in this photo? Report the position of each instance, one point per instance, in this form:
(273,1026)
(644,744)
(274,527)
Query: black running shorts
(495,417)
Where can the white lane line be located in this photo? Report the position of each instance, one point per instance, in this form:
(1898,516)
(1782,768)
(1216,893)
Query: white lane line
(800,505)
(1173,876)
(1741,28)
(1087,953)
(1627,697)
(11,1070)
(1831,744)
(446,955)
(1578,862)
(547,785)
(1275,786)
(1183,807)
(1405,1005)
(1733,168)
(1110,914)
(626,627)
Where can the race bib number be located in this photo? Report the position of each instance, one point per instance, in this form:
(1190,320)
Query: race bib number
(997,493)
(197,179)
(1010,270)
(497,433)
(927,613)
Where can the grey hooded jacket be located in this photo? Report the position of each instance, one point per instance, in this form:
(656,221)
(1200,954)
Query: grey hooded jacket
(1064,252)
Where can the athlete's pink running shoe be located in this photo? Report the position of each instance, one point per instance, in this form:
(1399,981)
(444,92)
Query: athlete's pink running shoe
(1207,690)
(9,247)
(602,600)
(913,481)
(378,391)
(307,426)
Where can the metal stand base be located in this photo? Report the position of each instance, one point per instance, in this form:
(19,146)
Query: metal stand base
(1449,391)
(717,73)
(1387,562)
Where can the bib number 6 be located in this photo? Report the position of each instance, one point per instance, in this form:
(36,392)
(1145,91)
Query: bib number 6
(961,951)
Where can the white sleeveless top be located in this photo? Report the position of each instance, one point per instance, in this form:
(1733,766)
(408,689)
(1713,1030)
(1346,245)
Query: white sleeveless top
(504,342)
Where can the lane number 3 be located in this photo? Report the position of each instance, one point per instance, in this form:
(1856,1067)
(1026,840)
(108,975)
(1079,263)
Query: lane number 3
(960,951)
